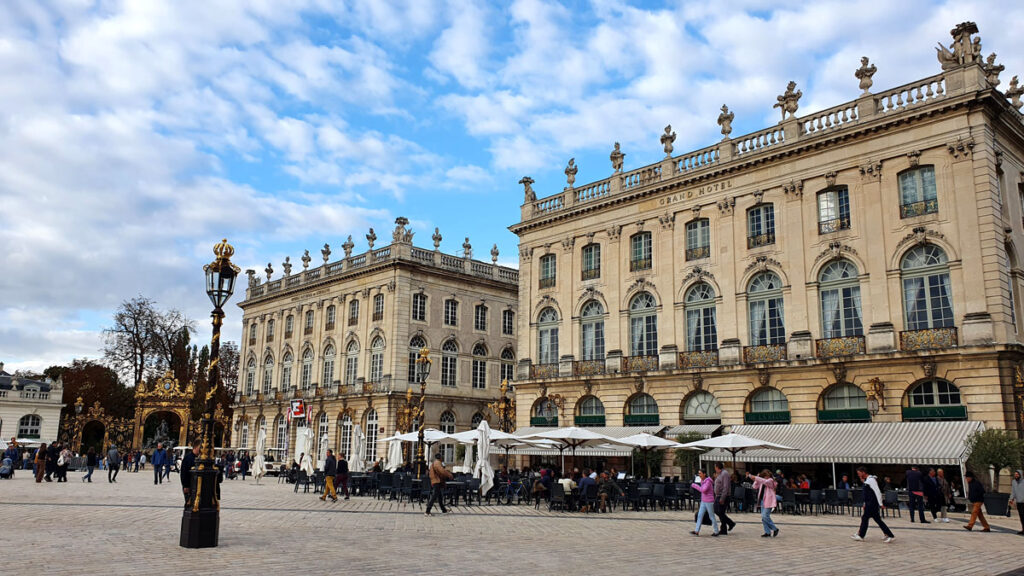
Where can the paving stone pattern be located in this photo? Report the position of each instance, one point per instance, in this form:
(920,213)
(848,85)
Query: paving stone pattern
(132,527)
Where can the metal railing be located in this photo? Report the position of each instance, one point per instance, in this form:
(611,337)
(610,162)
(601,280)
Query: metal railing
(698,252)
(698,359)
(833,225)
(590,273)
(544,370)
(842,346)
(912,209)
(928,339)
(639,264)
(758,240)
(588,367)
(547,282)
(764,353)
(639,363)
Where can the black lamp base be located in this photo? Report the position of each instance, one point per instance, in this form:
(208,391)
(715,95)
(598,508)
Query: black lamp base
(200,529)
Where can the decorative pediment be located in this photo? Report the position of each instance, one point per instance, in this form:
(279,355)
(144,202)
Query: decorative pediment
(835,250)
(698,273)
(641,284)
(919,235)
(590,293)
(763,263)
(795,188)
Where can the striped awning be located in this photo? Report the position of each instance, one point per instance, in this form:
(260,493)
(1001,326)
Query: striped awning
(705,430)
(611,431)
(940,443)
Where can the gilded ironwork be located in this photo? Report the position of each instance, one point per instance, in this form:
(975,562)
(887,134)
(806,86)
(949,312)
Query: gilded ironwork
(639,363)
(588,367)
(698,359)
(764,353)
(928,339)
(836,347)
(544,370)
(504,409)
(116,431)
(912,209)
(698,252)
(758,240)
(165,395)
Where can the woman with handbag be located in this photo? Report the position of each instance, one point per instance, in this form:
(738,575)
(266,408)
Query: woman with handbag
(706,487)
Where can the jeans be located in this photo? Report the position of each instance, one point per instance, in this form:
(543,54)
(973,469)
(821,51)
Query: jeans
(88,477)
(112,473)
(158,474)
(872,513)
(709,509)
(916,503)
(766,520)
(436,495)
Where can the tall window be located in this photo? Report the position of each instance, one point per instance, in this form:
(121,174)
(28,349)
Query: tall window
(415,345)
(332,315)
(309,322)
(701,326)
(547,336)
(840,300)
(480,317)
(451,312)
(371,435)
(702,408)
(377,359)
(307,369)
(927,299)
(643,325)
(641,409)
(764,301)
(346,436)
(479,374)
(640,251)
(353,312)
(545,413)
(917,192)
(769,400)
(508,365)
(282,433)
(351,364)
(289,326)
(449,362)
(833,210)
(419,307)
(477,419)
(30,426)
(268,374)
(286,371)
(547,271)
(593,330)
(252,333)
(328,374)
(378,307)
(591,261)
(508,322)
(698,239)
(760,225)
(321,431)
(244,437)
(250,377)
(448,427)
(270,330)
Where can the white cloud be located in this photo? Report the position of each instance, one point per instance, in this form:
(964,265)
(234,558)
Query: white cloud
(462,49)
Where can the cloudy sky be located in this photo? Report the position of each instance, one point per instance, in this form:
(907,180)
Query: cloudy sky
(135,134)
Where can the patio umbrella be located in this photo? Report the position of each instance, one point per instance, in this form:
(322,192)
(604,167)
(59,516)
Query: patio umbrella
(734,443)
(467,462)
(394,461)
(472,436)
(321,450)
(483,469)
(573,437)
(358,463)
(307,446)
(645,443)
(259,467)
(431,436)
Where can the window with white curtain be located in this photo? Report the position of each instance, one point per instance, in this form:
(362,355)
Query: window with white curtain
(840,300)
(643,325)
(328,373)
(449,363)
(593,330)
(927,298)
(250,377)
(415,345)
(769,400)
(345,438)
(268,374)
(764,302)
(286,372)
(371,435)
(917,192)
(307,369)
(547,336)
(282,433)
(479,373)
(701,327)
(377,359)
(508,365)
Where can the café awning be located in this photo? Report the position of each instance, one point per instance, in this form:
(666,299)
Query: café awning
(940,443)
(705,430)
(610,431)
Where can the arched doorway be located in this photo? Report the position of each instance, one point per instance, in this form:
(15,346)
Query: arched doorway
(93,434)
(162,427)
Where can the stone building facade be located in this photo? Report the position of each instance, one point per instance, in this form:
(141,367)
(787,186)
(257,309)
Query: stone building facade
(29,409)
(862,263)
(343,336)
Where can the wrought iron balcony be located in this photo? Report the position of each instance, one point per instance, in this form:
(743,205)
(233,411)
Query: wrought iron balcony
(547,282)
(928,339)
(758,240)
(587,367)
(843,346)
(544,370)
(698,252)
(307,330)
(764,353)
(698,359)
(329,326)
(912,209)
(639,363)
(353,320)
(590,273)
(834,225)
(378,316)
(639,264)
(270,338)
(288,335)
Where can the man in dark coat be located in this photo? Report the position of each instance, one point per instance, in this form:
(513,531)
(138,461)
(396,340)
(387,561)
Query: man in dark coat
(976,496)
(188,462)
(330,469)
(159,459)
(52,453)
(915,487)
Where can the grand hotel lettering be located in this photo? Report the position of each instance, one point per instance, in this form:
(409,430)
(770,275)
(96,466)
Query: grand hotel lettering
(691,193)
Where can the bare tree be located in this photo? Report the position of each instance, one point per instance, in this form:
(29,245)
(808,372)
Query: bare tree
(229,362)
(128,345)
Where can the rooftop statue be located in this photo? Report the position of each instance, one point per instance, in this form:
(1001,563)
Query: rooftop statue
(864,74)
(570,172)
(963,50)
(788,101)
(725,121)
(1014,92)
(616,157)
(992,69)
(530,196)
(667,139)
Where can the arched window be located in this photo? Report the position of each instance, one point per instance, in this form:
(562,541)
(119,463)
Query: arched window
(243,439)
(642,410)
(593,331)
(927,298)
(307,369)
(250,377)
(449,363)
(321,431)
(268,375)
(328,366)
(701,327)
(377,359)
(840,300)
(448,427)
(282,435)
(589,412)
(934,399)
(643,325)
(479,372)
(286,371)
(30,426)
(768,406)
(477,419)
(702,408)
(332,316)
(508,365)
(545,414)
(764,301)
(415,345)
(345,438)
(547,336)
(844,403)
(351,364)
(371,435)
(917,192)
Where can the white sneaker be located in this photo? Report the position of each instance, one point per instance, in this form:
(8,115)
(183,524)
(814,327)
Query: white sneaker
(857,537)
(946,520)
(888,539)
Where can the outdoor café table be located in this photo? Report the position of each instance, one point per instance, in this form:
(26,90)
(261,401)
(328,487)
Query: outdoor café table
(456,488)
(803,500)
(358,482)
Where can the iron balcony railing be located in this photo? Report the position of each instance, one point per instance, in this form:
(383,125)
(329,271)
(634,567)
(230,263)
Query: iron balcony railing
(912,209)
(758,240)
(639,363)
(836,347)
(834,225)
(639,264)
(928,339)
(544,370)
(547,282)
(588,367)
(698,359)
(590,273)
(764,353)
(698,252)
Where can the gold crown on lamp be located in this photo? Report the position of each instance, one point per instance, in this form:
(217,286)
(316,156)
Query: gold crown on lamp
(223,250)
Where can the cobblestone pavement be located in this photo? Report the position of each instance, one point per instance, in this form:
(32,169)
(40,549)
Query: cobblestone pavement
(133,526)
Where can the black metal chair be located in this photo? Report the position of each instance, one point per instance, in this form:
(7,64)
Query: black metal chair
(843,499)
(831,500)
(856,501)
(658,496)
(557,497)
(891,501)
(739,497)
(789,502)
(672,498)
(817,501)
(589,499)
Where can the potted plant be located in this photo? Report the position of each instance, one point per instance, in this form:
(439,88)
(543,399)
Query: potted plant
(994,450)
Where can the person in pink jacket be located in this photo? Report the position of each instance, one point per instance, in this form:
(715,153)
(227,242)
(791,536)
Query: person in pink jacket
(766,484)
(707,503)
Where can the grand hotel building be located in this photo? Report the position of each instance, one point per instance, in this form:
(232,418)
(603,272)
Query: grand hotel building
(343,336)
(858,264)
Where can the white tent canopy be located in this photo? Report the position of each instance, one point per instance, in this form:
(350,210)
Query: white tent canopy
(259,467)
(430,436)
(483,469)
(305,444)
(358,461)
(394,460)
(530,434)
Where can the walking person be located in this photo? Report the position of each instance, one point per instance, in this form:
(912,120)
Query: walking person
(63,461)
(706,487)
(51,461)
(243,463)
(976,496)
(873,504)
(723,489)
(1017,497)
(915,488)
(90,464)
(342,480)
(40,461)
(330,469)
(188,461)
(438,476)
(769,501)
(933,495)
(946,491)
(159,458)
(167,467)
(113,463)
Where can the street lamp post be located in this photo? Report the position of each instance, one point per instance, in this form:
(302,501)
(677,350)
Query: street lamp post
(200,522)
(423,363)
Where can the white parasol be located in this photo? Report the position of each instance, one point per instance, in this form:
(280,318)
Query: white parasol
(306,441)
(645,443)
(259,467)
(394,461)
(467,462)
(358,461)
(483,469)
(734,443)
(321,451)
(574,437)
